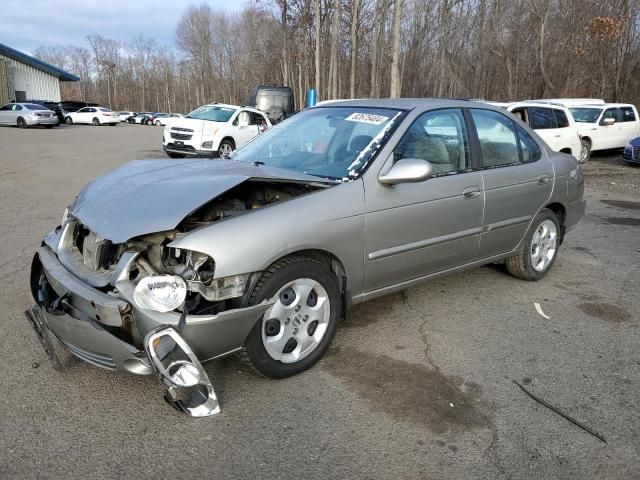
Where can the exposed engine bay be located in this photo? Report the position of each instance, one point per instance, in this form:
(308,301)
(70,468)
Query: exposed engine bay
(205,295)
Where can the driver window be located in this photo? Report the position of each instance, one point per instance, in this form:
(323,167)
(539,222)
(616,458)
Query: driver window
(611,113)
(440,137)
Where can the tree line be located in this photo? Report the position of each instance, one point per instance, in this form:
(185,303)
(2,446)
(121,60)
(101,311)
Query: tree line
(491,49)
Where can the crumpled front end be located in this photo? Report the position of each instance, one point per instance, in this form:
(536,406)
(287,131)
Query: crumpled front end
(89,301)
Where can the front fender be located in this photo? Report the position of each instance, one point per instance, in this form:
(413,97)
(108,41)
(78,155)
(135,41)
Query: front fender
(331,220)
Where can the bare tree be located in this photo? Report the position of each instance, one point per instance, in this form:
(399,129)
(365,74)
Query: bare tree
(395,50)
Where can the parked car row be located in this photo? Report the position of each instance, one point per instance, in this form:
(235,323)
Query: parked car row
(149,118)
(579,126)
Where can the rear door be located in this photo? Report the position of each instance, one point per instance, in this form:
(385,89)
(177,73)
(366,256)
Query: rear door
(416,229)
(544,122)
(628,124)
(517,176)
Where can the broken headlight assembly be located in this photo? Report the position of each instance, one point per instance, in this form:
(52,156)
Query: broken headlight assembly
(197,269)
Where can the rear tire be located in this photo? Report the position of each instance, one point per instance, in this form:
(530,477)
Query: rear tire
(96,122)
(539,249)
(297,337)
(22,123)
(585,152)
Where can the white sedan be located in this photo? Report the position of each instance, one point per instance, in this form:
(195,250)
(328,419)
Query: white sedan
(93,115)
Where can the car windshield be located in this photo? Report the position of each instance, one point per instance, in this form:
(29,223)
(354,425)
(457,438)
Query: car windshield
(212,113)
(33,106)
(585,115)
(331,142)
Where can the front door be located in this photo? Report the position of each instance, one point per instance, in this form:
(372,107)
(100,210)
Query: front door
(612,135)
(245,128)
(416,229)
(518,179)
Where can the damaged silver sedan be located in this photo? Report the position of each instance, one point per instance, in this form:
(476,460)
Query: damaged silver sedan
(161,265)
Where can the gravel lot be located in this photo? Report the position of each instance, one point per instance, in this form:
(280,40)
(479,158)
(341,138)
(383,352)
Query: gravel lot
(416,385)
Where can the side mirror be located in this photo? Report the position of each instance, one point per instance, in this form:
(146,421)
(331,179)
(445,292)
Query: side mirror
(607,122)
(407,170)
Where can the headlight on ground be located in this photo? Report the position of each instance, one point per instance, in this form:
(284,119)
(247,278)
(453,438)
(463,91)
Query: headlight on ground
(161,293)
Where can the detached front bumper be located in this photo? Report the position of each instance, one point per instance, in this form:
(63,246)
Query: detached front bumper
(93,325)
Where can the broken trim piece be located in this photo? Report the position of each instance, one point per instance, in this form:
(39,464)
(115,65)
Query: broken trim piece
(187,385)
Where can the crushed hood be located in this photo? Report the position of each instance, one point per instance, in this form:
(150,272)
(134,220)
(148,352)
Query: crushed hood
(147,196)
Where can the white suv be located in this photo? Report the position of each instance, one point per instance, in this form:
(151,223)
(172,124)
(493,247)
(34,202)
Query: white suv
(213,130)
(605,126)
(553,122)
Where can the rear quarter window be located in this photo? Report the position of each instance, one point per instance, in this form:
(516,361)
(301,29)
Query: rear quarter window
(628,115)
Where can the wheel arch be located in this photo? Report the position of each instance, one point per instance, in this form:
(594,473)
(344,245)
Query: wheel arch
(561,212)
(335,265)
(228,137)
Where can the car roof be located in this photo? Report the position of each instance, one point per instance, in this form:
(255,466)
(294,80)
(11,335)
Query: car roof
(399,103)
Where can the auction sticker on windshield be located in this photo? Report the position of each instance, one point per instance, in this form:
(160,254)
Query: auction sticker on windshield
(367,118)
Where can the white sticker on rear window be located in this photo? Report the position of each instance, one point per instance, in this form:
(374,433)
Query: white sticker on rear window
(367,118)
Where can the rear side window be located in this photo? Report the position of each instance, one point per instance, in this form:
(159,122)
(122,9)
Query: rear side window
(542,118)
(530,149)
(628,115)
(561,119)
(498,139)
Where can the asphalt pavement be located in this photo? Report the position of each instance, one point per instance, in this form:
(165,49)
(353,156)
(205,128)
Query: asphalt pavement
(417,385)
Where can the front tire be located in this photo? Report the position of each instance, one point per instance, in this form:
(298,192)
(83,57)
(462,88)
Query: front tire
(22,123)
(225,148)
(585,151)
(539,250)
(96,122)
(69,121)
(157,123)
(295,332)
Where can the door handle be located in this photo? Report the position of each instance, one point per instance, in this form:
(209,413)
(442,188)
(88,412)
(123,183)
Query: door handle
(471,192)
(557,136)
(544,178)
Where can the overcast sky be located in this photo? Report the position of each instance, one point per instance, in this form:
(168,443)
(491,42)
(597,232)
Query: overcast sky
(28,24)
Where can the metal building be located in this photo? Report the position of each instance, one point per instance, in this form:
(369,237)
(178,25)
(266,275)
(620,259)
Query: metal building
(23,77)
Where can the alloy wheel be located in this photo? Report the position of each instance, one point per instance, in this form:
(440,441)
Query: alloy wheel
(543,245)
